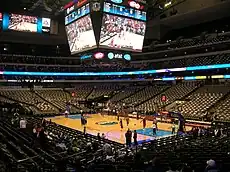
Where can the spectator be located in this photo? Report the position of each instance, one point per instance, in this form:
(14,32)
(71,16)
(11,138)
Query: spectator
(98,136)
(84,131)
(35,131)
(89,147)
(172,168)
(186,168)
(211,166)
(173,128)
(107,149)
(43,123)
(155,166)
(95,146)
(23,124)
(74,145)
(128,136)
(103,136)
(135,138)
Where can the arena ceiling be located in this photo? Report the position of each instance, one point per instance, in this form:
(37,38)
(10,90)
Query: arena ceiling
(47,6)
(37,7)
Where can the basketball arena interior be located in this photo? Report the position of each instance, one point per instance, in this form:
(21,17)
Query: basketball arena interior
(115,86)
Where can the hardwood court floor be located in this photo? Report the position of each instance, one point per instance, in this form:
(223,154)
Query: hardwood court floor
(113,132)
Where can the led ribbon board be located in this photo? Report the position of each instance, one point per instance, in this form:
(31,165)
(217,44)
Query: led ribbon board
(144,72)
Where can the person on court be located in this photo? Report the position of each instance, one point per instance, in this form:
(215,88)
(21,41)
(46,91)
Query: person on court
(135,138)
(173,128)
(144,122)
(83,120)
(127,121)
(155,122)
(154,129)
(121,124)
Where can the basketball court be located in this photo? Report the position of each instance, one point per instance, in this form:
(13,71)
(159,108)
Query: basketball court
(109,125)
(24,26)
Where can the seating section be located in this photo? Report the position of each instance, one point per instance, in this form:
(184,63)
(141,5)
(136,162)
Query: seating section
(194,99)
(143,95)
(28,97)
(81,91)
(204,98)
(65,149)
(172,94)
(126,92)
(18,147)
(59,98)
(5,100)
(181,61)
(197,41)
(222,110)
(103,90)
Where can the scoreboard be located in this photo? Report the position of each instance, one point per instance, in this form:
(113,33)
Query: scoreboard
(124,11)
(76,14)
(108,24)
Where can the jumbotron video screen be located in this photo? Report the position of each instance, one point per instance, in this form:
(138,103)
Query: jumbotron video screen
(80,35)
(23,23)
(122,33)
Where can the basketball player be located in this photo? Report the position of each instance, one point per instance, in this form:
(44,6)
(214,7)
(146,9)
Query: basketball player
(154,129)
(121,124)
(118,117)
(127,121)
(173,128)
(66,114)
(82,120)
(155,122)
(144,122)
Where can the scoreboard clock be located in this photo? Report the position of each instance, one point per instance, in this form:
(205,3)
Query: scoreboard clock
(96,6)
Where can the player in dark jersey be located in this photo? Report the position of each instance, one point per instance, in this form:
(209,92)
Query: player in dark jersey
(121,124)
(144,122)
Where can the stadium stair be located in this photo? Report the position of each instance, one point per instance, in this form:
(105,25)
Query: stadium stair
(167,106)
(90,93)
(152,97)
(66,91)
(57,108)
(131,94)
(193,91)
(222,99)
(115,92)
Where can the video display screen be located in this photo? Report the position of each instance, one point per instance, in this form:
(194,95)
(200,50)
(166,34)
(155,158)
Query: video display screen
(46,23)
(80,35)
(122,33)
(23,23)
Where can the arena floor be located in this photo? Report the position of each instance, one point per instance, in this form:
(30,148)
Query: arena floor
(110,127)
